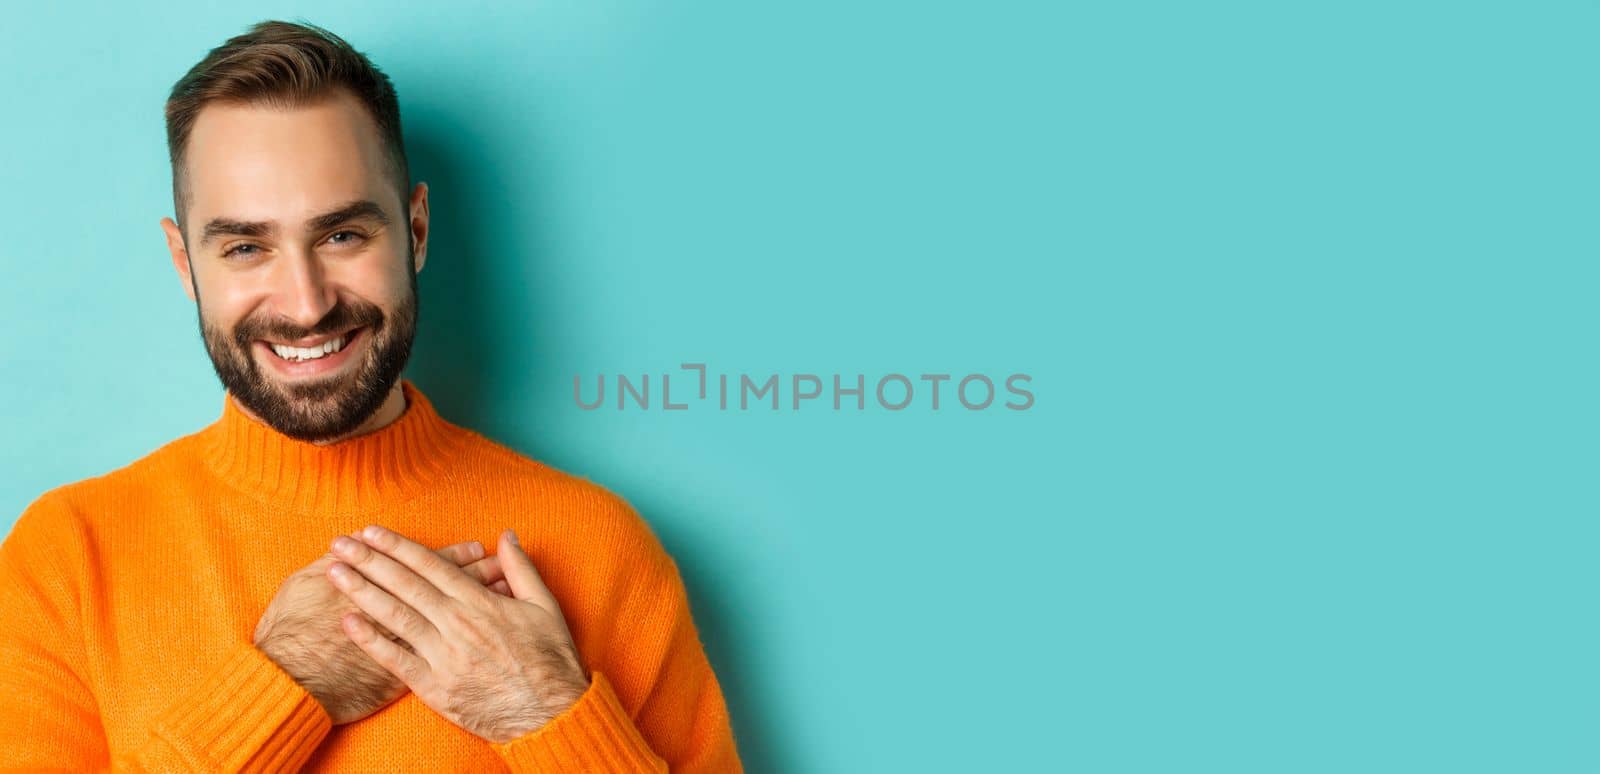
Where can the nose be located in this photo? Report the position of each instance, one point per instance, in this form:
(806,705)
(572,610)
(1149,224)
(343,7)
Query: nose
(305,293)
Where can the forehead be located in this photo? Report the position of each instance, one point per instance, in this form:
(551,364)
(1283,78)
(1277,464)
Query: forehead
(268,163)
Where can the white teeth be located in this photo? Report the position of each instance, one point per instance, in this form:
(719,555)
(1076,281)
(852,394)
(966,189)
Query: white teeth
(309,353)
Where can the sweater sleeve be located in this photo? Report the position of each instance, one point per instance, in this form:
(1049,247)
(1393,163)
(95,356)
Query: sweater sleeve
(244,714)
(676,719)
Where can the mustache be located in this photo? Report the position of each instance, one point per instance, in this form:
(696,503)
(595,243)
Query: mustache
(342,317)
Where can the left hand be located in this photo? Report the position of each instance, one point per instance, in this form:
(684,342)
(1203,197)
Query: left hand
(499,667)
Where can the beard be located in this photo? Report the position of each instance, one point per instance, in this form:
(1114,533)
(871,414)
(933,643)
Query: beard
(319,409)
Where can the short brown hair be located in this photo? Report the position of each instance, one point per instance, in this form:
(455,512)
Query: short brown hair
(283,64)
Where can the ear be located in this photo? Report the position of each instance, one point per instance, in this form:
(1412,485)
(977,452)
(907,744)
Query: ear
(180,255)
(418,225)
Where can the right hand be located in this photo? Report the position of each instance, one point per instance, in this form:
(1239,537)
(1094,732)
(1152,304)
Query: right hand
(300,631)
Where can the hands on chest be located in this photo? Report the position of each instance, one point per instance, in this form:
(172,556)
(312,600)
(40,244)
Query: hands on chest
(479,639)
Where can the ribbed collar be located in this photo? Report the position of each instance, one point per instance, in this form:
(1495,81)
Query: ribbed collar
(391,463)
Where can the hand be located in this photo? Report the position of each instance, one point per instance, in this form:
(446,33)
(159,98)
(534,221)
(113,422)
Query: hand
(497,667)
(300,631)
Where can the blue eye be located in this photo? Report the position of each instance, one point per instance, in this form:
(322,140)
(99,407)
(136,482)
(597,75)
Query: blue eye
(247,250)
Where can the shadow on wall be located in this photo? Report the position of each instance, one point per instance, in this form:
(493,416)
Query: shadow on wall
(463,314)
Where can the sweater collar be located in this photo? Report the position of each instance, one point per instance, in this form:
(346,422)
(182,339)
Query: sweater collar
(391,463)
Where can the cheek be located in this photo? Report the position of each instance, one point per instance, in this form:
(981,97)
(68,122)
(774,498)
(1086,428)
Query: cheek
(388,294)
(227,298)
(378,281)
(221,313)
(224,321)
(226,304)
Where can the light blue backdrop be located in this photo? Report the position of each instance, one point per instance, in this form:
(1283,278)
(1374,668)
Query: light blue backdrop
(1307,292)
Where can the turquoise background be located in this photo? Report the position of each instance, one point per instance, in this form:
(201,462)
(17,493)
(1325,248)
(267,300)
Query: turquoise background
(1307,292)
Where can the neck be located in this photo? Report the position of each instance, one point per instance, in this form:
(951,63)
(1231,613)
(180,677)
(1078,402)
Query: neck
(394,404)
(403,449)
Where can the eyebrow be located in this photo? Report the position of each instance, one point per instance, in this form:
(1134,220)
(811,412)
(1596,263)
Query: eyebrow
(355,210)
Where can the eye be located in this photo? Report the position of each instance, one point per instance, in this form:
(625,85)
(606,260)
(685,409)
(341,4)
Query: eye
(238,250)
(356,237)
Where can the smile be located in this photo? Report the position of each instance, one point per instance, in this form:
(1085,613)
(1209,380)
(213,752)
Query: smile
(297,354)
(309,357)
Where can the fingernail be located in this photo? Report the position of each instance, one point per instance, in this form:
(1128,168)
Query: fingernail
(513,538)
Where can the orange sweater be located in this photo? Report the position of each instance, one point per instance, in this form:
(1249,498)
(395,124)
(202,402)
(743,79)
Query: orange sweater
(128,602)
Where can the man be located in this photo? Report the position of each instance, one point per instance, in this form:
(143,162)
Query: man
(262,594)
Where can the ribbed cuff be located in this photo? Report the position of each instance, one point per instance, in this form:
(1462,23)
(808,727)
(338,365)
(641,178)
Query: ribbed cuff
(594,734)
(246,714)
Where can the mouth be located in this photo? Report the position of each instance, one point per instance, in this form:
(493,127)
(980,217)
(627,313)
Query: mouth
(311,356)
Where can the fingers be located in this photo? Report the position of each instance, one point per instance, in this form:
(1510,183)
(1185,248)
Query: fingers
(522,576)
(485,571)
(400,619)
(490,573)
(382,630)
(396,578)
(462,553)
(445,578)
(397,657)
(388,576)
(468,554)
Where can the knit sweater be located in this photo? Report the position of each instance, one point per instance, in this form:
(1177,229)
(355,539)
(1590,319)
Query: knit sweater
(128,604)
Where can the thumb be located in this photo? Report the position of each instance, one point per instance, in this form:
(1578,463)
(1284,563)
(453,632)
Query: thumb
(521,575)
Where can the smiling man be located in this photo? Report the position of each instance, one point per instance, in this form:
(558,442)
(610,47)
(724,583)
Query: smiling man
(305,582)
